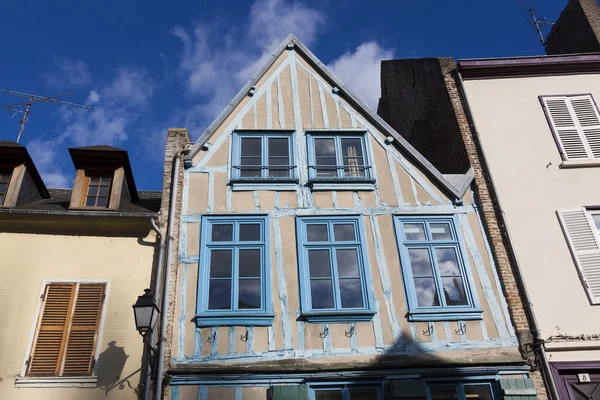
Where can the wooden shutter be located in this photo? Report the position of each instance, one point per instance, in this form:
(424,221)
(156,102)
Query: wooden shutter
(585,247)
(288,392)
(66,332)
(576,125)
(518,389)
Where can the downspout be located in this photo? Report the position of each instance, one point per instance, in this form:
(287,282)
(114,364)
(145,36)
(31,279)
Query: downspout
(166,288)
(538,342)
(157,282)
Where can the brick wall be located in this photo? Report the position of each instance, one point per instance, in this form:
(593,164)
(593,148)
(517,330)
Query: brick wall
(577,29)
(177,140)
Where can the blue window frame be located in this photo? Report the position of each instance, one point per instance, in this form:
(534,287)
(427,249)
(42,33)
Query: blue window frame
(461,391)
(234,280)
(263,157)
(343,391)
(338,157)
(335,282)
(437,282)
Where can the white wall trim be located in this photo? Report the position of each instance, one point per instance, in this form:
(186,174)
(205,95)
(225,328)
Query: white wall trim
(55,382)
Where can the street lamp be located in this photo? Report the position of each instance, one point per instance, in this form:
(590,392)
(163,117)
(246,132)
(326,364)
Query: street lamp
(145,312)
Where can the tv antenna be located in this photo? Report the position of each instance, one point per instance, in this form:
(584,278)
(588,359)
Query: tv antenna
(25,106)
(536,23)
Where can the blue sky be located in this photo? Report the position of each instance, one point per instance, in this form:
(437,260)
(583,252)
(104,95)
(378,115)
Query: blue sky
(147,66)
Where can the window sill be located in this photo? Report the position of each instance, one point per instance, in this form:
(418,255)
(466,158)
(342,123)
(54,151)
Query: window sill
(249,185)
(320,317)
(57,382)
(203,321)
(342,184)
(443,315)
(580,164)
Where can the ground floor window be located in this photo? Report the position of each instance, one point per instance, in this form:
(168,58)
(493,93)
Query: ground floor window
(346,392)
(460,391)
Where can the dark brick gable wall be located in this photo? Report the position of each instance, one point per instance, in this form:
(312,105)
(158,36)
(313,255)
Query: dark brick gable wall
(577,30)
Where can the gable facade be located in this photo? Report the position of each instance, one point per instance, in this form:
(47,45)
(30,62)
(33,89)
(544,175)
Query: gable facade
(317,249)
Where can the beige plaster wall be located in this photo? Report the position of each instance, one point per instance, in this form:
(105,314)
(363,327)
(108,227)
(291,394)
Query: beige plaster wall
(29,259)
(525,166)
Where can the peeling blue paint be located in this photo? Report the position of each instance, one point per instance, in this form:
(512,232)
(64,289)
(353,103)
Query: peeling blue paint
(281,286)
(203,392)
(182,316)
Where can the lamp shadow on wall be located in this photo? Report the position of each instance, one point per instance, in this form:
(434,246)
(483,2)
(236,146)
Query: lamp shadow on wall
(109,368)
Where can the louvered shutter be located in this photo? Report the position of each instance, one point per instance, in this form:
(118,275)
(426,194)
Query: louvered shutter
(585,247)
(67,330)
(49,344)
(84,328)
(576,125)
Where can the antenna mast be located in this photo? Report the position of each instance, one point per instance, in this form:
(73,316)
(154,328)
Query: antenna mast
(25,107)
(536,23)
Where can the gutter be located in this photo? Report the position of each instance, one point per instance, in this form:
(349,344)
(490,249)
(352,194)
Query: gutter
(538,342)
(165,293)
(157,283)
(75,214)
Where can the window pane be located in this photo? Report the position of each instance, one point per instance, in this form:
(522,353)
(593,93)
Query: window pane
(478,392)
(90,201)
(363,394)
(351,293)
(94,180)
(420,262)
(103,191)
(414,231)
(426,292)
(596,218)
(249,232)
(222,232)
(454,291)
(92,190)
(279,147)
(443,392)
(343,232)
(101,202)
(440,231)
(275,170)
(447,261)
(319,263)
(220,264)
(328,395)
(317,233)
(325,147)
(248,170)
(249,263)
(251,147)
(321,293)
(249,293)
(347,262)
(219,294)
(353,157)
(352,147)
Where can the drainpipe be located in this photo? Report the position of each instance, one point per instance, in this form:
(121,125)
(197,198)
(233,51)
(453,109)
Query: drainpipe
(165,293)
(157,282)
(538,342)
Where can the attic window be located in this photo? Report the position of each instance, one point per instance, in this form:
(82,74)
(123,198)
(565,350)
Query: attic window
(4,181)
(98,190)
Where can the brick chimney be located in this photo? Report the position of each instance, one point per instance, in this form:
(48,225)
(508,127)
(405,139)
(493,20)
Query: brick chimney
(577,29)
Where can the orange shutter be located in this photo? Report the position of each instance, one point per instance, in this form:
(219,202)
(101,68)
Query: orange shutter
(84,329)
(70,311)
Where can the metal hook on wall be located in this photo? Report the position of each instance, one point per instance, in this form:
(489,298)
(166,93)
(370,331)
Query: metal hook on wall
(350,333)
(429,330)
(324,334)
(462,328)
(212,338)
(244,338)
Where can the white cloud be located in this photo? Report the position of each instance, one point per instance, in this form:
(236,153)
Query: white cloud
(360,71)
(217,61)
(68,74)
(45,156)
(131,86)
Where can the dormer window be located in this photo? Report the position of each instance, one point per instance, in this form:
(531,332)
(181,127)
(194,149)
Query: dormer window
(98,190)
(5,176)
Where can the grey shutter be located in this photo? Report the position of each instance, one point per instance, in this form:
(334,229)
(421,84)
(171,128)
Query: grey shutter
(289,392)
(408,389)
(517,389)
(576,125)
(585,247)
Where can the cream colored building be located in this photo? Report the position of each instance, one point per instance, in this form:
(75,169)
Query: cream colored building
(538,125)
(318,255)
(72,264)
